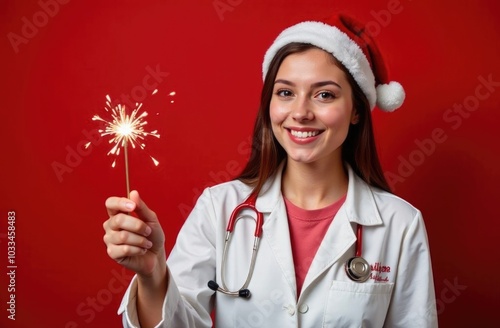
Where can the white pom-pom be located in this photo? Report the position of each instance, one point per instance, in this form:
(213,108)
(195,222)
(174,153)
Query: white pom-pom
(390,96)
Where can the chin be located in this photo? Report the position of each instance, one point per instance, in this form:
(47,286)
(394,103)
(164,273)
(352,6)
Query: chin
(302,159)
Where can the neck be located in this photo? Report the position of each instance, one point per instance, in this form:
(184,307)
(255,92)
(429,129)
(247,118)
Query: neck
(314,185)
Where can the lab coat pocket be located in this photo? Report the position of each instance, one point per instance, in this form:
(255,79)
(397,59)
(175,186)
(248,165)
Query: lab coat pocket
(352,304)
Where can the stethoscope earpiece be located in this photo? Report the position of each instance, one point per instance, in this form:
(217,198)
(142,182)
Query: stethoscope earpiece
(357,269)
(245,293)
(213,285)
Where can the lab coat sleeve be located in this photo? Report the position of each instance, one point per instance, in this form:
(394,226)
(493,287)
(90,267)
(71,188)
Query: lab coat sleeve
(191,265)
(413,301)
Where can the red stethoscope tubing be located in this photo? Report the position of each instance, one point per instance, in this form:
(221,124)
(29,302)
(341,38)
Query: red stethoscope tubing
(249,203)
(359,240)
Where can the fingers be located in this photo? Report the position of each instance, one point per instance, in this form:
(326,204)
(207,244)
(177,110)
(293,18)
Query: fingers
(116,205)
(126,222)
(126,236)
(123,237)
(141,209)
(118,252)
(123,229)
(124,243)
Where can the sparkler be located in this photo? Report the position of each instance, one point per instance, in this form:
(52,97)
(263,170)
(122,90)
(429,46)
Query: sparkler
(124,130)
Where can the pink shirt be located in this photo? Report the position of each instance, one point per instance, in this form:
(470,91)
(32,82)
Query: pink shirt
(307,229)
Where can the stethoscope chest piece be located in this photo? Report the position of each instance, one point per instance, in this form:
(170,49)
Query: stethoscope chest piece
(357,269)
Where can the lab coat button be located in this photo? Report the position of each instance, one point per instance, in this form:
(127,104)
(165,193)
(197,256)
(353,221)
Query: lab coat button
(290,309)
(303,308)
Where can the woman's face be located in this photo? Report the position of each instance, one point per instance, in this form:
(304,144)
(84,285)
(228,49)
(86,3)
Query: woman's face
(311,107)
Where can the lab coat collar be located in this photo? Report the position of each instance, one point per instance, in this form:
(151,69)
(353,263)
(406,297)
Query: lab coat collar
(360,205)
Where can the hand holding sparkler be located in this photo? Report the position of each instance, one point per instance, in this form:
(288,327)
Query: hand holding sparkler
(138,244)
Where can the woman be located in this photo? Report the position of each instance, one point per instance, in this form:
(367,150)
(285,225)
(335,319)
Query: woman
(318,183)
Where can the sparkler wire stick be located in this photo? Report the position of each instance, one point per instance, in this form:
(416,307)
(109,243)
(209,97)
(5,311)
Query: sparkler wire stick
(125,146)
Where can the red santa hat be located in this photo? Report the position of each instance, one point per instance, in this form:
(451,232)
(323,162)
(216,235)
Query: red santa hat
(351,44)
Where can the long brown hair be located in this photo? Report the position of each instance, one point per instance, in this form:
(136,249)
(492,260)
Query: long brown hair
(358,150)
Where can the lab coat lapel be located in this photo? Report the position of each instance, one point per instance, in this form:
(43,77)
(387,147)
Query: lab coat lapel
(278,239)
(275,229)
(337,240)
(358,208)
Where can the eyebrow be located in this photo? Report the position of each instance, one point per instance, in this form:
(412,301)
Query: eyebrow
(314,85)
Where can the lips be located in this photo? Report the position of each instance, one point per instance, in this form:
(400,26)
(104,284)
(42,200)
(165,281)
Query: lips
(303,136)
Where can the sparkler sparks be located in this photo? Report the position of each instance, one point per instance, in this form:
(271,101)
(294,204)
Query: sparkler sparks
(125,129)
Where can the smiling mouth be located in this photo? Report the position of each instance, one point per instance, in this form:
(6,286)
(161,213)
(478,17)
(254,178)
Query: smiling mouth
(304,134)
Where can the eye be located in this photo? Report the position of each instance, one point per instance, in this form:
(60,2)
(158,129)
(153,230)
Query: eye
(326,95)
(284,93)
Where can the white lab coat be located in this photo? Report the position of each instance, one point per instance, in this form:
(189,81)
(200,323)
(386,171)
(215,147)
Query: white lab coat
(399,293)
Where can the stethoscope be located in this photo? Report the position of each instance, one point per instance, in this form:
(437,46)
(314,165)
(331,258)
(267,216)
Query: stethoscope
(249,203)
(357,268)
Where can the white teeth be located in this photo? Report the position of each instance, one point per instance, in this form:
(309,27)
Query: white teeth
(304,134)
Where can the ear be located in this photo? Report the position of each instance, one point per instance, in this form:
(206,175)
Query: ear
(354,116)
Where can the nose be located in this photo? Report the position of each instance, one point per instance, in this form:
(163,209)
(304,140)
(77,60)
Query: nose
(301,110)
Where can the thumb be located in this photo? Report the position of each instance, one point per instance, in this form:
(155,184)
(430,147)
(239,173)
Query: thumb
(141,209)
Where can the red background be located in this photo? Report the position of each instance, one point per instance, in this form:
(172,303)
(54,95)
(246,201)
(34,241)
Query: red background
(56,79)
